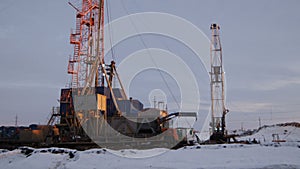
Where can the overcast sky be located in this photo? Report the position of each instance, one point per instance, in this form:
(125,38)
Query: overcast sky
(260,40)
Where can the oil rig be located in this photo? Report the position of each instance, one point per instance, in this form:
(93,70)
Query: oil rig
(93,109)
(217,79)
(93,113)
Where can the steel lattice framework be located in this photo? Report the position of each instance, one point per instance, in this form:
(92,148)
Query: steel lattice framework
(218,109)
(87,39)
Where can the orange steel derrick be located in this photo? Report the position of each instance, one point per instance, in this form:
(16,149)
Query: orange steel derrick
(87,39)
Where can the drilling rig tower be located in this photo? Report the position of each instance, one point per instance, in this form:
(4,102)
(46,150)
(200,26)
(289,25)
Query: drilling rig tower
(218,110)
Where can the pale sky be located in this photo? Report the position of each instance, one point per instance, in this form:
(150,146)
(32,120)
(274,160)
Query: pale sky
(260,40)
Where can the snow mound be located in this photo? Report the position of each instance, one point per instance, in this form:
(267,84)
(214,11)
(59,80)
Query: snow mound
(284,134)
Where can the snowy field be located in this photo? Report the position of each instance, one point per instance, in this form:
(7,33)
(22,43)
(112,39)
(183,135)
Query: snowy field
(266,155)
(289,134)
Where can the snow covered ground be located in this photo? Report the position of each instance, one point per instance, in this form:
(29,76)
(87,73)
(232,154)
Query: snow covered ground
(266,156)
(209,156)
(290,135)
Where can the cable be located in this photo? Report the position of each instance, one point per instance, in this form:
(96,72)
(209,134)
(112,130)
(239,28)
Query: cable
(108,14)
(144,44)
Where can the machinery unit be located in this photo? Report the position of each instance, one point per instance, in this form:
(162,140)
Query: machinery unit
(91,109)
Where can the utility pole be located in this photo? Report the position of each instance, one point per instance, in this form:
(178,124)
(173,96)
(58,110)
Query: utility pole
(154,102)
(242,126)
(16,121)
